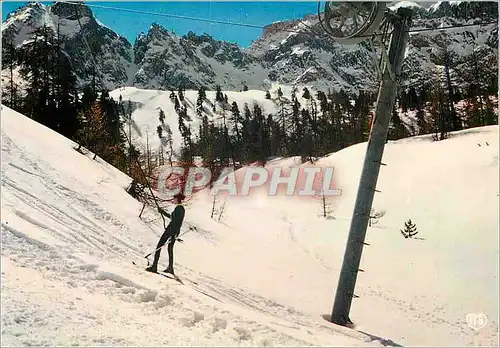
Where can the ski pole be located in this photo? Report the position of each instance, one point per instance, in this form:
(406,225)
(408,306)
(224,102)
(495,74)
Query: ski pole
(168,240)
(178,239)
(148,255)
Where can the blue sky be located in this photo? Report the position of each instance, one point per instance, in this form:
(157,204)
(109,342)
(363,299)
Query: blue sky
(130,24)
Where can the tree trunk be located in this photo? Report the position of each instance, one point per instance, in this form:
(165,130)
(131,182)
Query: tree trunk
(451,108)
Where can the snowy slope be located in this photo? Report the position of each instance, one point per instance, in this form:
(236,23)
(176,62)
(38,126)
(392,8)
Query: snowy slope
(449,189)
(70,232)
(146,116)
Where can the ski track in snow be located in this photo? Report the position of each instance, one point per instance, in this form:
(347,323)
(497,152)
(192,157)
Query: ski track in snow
(61,276)
(58,273)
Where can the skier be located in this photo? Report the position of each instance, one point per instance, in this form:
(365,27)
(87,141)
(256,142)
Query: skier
(171,233)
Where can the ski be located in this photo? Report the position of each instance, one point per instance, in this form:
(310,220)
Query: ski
(165,274)
(349,324)
(171,276)
(194,285)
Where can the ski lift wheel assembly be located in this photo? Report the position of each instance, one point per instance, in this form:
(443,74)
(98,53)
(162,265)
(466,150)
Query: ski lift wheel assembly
(350,23)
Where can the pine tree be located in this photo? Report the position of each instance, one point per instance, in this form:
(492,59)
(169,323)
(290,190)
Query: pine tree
(297,131)
(454,121)
(180,92)
(177,105)
(218,94)
(326,208)
(199,102)
(490,117)
(259,143)
(89,96)
(235,123)
(323,102)
(186,161)
(282,115)
(439,112)
(202,93)
(205,143)
(397,128)
(360,114)
(306,140)
(35,71)
(10,59)
(268,95)
(161,116)
(170,145)
(93,134)
(403,101)
(265,141)
(410,229)
(253,143)
(276,138)
(112,119)
(182,125)
(413,98)
(422,98)
(51,97)
(280,92)
(235,119)
(245,134)
(66,97)
(306,94)
(423,126)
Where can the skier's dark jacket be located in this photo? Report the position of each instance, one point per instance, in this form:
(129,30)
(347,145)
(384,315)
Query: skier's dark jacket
(177,217)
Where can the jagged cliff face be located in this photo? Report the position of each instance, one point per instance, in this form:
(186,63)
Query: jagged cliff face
(75,26)
(291,52)
(472,52)
(302,54)
(298,52)
(168,61)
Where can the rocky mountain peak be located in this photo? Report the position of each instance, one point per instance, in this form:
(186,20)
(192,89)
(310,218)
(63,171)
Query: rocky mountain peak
(70,11)
(157,31)
(75,25)
(284,26)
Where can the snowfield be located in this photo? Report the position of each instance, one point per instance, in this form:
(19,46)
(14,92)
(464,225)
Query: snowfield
(266,273)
